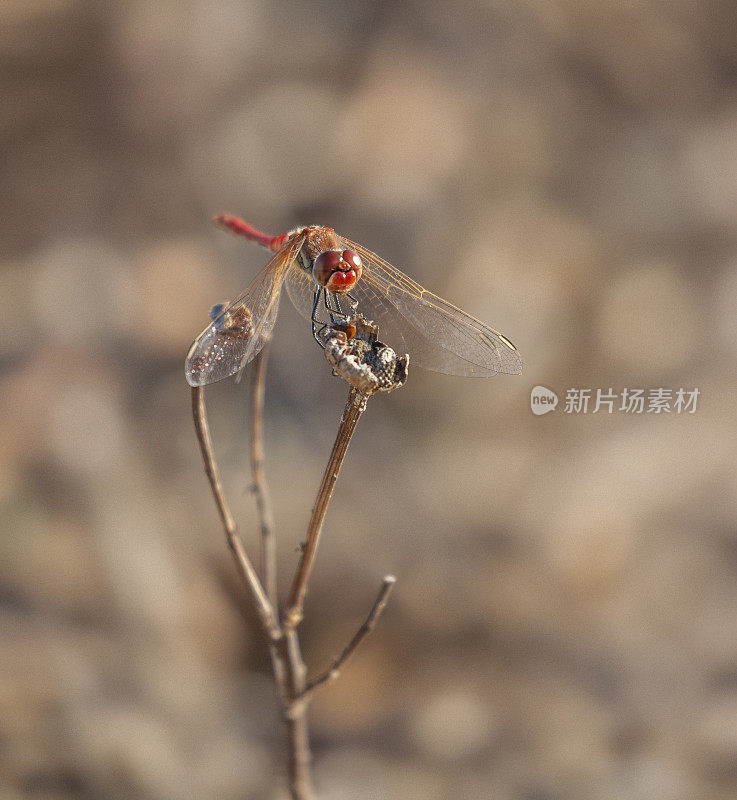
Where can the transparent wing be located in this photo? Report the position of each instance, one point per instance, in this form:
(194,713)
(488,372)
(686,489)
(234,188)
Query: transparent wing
(301,290)
(437,335)
(394,329)
(241,329)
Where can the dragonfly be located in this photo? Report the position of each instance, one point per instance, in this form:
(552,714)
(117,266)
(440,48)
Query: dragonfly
(328,278)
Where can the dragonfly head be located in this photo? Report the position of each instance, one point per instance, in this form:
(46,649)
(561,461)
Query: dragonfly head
(337,270)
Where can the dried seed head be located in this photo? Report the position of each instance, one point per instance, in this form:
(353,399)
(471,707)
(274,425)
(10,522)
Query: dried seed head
(363,361)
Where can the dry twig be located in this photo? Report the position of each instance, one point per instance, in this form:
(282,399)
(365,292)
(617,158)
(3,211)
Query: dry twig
(368,366)
(260,487)
(355,407)
(261,602)
(334,672)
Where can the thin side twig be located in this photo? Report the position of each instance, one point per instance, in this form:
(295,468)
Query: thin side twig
(260,487)
(261,602)
(334,671)
(263,509)
(289,670)
(354,408)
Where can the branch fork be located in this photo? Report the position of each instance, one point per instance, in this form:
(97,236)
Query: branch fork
(368,366)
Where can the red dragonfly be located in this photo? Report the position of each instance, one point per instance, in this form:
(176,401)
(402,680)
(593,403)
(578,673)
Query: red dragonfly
(319,265)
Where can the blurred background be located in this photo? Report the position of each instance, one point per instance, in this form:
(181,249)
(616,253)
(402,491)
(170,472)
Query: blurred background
(563,625)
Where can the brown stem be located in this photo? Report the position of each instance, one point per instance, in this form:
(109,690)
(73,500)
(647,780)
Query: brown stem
(294,713)
(331,674)
(261,602)
(355,406)
(260,488)
(286,658)
(289,669)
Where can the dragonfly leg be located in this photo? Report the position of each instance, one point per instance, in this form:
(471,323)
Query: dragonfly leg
(316,333)
(334,312)
(315,321)
(354,302)
(318,292)
(333,307)
(327,304)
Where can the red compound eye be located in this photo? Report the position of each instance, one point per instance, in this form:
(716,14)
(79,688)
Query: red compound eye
(325,265)
(352,259)
(338,271)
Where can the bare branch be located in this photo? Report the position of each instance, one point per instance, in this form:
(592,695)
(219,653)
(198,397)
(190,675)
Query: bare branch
(290,673)
(261,602)
(367,366)
(260,488)
(331,674)
(294,714)
(263,508)
(351,414)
